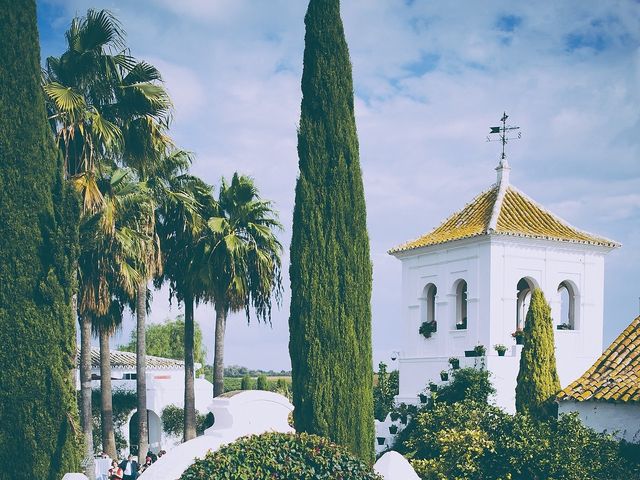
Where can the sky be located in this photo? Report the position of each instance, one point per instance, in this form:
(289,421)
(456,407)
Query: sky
(430,78)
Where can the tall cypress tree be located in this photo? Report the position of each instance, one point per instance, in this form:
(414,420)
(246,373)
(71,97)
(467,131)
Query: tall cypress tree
(538,381)
(330,319)
(38,413)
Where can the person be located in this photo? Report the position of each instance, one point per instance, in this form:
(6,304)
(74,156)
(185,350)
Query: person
(147,464)
(129,468)
(115,472)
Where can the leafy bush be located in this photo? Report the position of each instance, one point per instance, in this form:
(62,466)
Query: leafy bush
(262,383)
(246,383)
(473,440)
(172,418)
(467,383)
(384,392)
(460,436)
(278,455)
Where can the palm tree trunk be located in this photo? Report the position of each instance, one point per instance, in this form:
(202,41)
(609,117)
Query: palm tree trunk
(141,368)
(189,373)
(218,359)
(106,403)
(85,392)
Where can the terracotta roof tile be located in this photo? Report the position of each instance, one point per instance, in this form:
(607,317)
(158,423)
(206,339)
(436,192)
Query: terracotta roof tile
(615,376)
(517,215)
(127,360)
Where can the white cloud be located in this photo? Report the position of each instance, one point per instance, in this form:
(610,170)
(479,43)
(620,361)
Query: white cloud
(430,79)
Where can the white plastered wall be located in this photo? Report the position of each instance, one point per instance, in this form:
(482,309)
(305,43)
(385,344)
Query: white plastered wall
(492,267)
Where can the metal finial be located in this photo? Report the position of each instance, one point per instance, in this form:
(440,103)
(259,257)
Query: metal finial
(503,132)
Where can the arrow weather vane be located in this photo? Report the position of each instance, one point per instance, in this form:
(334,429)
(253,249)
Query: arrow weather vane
(503,133)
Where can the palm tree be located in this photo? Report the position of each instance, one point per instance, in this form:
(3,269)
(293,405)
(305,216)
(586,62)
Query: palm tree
(182,222)
(104,326)
(110,245)
(242,253)
(107,109)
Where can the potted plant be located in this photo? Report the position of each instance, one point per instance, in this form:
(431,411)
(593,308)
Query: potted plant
(423,397)
(433,387)
(564,326)
(519,336)
(427,328)
(462,325)
(501,349)
(393,429)
(478,351)
(454,362)
(444,375)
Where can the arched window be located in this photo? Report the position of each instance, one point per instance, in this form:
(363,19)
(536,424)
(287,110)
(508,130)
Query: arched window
(525,287)
(567,294)
(429,303)
(461,305)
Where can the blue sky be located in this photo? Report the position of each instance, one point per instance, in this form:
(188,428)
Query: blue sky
(430,77)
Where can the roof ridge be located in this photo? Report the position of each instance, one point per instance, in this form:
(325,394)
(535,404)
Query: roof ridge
(562,220)
(402,246)
(503,185)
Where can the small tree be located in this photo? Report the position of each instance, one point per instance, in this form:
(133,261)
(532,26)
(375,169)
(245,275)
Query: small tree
(246,383)
(384,392)
(262,383)
(538,381)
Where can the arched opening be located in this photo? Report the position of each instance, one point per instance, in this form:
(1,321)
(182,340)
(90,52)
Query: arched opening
(525,287)
(154,433)
(568,307)
(461,305)
(428,303)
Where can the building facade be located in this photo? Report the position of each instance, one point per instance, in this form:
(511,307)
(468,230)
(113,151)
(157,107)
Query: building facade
(468,282)
(165,386)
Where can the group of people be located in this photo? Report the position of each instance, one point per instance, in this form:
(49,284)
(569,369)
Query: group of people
(129,469)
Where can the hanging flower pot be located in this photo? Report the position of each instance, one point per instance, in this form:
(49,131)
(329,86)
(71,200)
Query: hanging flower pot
(433,387)
(423,397)
(454,362)
(444,375)
(381,440)
(393,429)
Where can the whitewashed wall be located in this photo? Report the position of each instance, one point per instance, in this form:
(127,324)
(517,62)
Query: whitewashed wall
(492,266)
(620,419)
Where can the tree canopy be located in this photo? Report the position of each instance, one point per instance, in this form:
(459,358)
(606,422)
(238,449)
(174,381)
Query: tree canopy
(167,340)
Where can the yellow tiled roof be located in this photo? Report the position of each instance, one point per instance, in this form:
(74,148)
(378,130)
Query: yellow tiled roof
(513,213)
(616,374)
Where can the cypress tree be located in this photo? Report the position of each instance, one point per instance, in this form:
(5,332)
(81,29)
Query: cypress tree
(538,381)
(330,318)
(38,413)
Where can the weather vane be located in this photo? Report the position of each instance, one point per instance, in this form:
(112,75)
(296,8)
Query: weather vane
(503,133)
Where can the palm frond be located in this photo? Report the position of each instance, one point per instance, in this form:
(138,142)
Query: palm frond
(64,98)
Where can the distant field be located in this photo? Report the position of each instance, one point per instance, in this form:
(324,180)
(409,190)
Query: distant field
(233,383)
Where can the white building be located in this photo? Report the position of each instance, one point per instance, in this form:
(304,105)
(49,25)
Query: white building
(607,396)
(165,386)
(471,279)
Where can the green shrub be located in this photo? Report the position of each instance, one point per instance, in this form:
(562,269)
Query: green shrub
(467,383)
(172,418)
(280,456)
(384,392)
(262,383)
(246,383)
(461,436)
